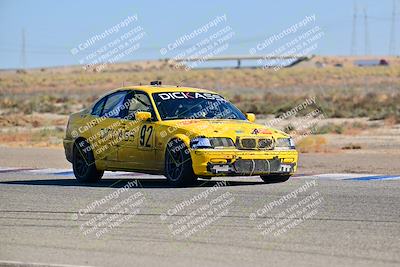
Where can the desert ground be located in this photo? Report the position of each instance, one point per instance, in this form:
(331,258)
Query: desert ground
(359,114)
(348,136)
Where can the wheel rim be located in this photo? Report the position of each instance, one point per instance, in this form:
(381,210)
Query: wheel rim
(80,164)
(174,164)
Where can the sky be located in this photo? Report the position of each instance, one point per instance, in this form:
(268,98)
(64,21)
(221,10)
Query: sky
(54,28)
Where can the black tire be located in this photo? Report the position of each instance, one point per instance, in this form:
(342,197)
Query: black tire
(178,164)
(275,178)
(83,163)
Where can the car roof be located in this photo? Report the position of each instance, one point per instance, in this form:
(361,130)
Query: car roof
(164,88)
(150,89)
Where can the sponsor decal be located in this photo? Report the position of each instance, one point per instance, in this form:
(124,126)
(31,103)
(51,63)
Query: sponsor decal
(261,131)
(189,95)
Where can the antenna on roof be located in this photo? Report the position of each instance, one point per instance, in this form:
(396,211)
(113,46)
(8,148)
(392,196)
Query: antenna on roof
(156,83)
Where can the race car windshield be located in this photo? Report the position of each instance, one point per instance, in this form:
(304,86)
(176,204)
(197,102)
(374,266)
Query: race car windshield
(195,105)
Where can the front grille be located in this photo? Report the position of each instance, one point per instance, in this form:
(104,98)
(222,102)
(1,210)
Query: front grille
(253,167)
(248,143)
(221,142)
(265,143)
(255,143)
(246,166)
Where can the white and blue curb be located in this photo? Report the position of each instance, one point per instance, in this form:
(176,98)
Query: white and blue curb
(326,176)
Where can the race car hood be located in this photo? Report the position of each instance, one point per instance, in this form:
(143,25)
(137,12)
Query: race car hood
(223,128)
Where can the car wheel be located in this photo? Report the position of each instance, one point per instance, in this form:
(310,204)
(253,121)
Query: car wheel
(178,164)
(83,163)
(275,178)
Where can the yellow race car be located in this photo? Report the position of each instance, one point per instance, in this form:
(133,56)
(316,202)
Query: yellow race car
(182,133)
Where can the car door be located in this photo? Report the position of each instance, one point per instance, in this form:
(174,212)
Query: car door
(106,128)
(137,150)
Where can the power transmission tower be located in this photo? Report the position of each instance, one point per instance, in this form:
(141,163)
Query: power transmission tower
(23,50)
(392,42)
(367,46)
(353,48)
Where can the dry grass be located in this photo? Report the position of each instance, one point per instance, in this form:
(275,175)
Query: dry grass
(341,92)
(44,137)
(314,143)
(27,97)
(72,79)
(346,128)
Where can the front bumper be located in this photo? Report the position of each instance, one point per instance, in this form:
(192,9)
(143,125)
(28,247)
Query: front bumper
(207,162)
(68,147)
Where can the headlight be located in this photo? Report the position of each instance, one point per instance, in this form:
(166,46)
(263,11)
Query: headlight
(291,142)
(200,142)
(212,142)
(285,143)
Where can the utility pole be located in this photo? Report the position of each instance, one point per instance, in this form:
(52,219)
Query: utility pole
(367,46)
(353,48)
(392,42)
(23,49)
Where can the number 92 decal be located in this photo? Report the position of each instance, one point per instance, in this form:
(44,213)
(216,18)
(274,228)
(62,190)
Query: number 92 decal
(145,136)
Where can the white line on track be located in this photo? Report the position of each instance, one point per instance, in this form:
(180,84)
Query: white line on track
(325,176)
(27,264)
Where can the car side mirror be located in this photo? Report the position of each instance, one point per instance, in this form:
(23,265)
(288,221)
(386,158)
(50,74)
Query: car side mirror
(251,117)
(143,116)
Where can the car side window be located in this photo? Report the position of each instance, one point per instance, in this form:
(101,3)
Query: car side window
(139,101)
(114,105)
(98,107)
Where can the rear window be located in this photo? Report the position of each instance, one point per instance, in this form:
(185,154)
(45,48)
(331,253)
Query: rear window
(113,105)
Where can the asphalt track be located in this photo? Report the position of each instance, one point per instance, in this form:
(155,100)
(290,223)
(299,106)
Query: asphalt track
(47,218)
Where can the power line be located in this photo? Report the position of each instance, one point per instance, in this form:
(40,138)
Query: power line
(366,34)
(23,49)
(29,51)
(354,32)
(392,42)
